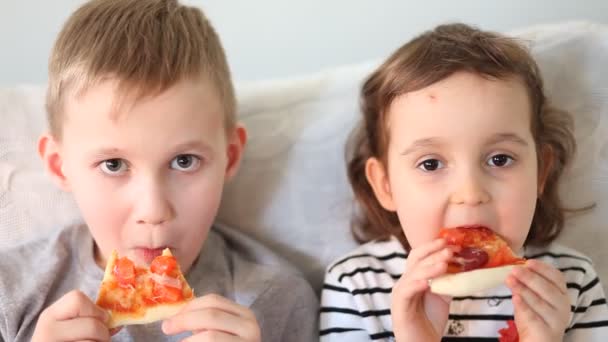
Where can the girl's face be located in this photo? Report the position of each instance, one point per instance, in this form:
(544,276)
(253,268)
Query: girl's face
(461,153)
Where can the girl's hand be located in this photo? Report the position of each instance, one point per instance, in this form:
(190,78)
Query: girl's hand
(416,313)
(541,302)
(214,318)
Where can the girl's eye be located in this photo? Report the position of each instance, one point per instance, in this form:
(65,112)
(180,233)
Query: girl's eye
(430,165)
(185,162)
(113,166)
(500,160)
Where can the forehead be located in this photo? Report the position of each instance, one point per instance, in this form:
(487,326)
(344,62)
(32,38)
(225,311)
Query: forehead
(188,107)
(118,97)
(462,106)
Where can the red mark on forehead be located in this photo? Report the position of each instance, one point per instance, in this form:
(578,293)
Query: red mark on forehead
(432,97)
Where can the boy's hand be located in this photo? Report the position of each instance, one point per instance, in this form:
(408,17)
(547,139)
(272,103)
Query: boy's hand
(541,302)
(418,314)
(74,317)
(214,318)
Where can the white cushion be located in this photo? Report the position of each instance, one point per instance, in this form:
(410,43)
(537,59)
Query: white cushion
(292,192)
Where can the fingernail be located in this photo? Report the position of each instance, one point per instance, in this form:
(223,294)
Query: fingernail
(106,317)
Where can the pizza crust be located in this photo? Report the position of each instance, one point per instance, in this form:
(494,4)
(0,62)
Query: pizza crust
(152,314)
(470,282)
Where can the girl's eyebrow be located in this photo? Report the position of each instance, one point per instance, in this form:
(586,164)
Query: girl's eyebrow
(421,143)
(436,141)
(507,137)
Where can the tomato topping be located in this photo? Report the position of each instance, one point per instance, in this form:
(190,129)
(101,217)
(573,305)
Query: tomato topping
(509,334)
(166,293)
(481,248)
(453,236)
(124,271)
(469,258)
(163,264)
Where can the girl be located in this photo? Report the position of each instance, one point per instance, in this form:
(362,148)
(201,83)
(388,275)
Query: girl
(457,132)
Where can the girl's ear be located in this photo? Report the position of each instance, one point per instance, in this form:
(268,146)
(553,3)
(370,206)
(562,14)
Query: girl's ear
(547,158)
(50,153)
(377,176)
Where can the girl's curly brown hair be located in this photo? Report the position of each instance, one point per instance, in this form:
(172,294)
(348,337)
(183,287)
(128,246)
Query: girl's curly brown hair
(432,57)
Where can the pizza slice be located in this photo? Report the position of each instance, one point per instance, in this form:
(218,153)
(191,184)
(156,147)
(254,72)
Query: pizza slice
(483,262)
(141,295)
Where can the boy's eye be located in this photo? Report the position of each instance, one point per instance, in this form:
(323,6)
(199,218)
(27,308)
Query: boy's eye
(430,165)
(113,166)
(185,162)
(500,160)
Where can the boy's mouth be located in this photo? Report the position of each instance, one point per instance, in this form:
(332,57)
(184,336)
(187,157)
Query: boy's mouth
(146,255)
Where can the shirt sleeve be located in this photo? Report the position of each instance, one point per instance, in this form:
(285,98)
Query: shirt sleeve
(339,317)
(590,312)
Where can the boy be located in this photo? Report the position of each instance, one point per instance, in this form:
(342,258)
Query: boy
(143,132)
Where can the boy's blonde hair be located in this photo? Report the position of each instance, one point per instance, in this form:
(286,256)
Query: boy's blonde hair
(146,45)
(430,58)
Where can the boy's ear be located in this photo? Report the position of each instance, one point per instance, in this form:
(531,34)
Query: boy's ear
(547,157)
(236,146)
(377,176)
(49,152)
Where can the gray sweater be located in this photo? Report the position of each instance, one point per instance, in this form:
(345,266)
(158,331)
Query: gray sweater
(34,275)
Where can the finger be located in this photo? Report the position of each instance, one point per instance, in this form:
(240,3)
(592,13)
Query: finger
(543,287)
(76,304)
(115,331)
(202,319)
(542,308)
(215,336)
(427,273)
(212,320)
(555,313)
(442,255)
(417,281)
(423,251)
(406,298)
(82,328)
(525,316)
(550,273)
(214,301)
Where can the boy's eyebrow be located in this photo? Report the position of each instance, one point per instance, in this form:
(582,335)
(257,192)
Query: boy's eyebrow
(188,145)
(420,143)
(106,152)
(192,145)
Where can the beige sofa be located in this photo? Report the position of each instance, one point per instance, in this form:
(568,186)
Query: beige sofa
(292,192)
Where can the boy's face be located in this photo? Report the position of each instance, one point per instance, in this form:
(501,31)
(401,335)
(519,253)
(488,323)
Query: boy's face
(461,153)
(150,175)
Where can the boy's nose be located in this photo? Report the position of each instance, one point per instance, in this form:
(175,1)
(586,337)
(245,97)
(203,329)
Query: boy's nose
(153,207)
(470,189)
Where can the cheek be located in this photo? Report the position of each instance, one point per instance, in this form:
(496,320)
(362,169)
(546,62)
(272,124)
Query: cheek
(102,208)
(197,200)
(418,207)
(517,208)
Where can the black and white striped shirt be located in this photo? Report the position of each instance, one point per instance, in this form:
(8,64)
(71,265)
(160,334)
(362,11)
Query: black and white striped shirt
(356,298)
